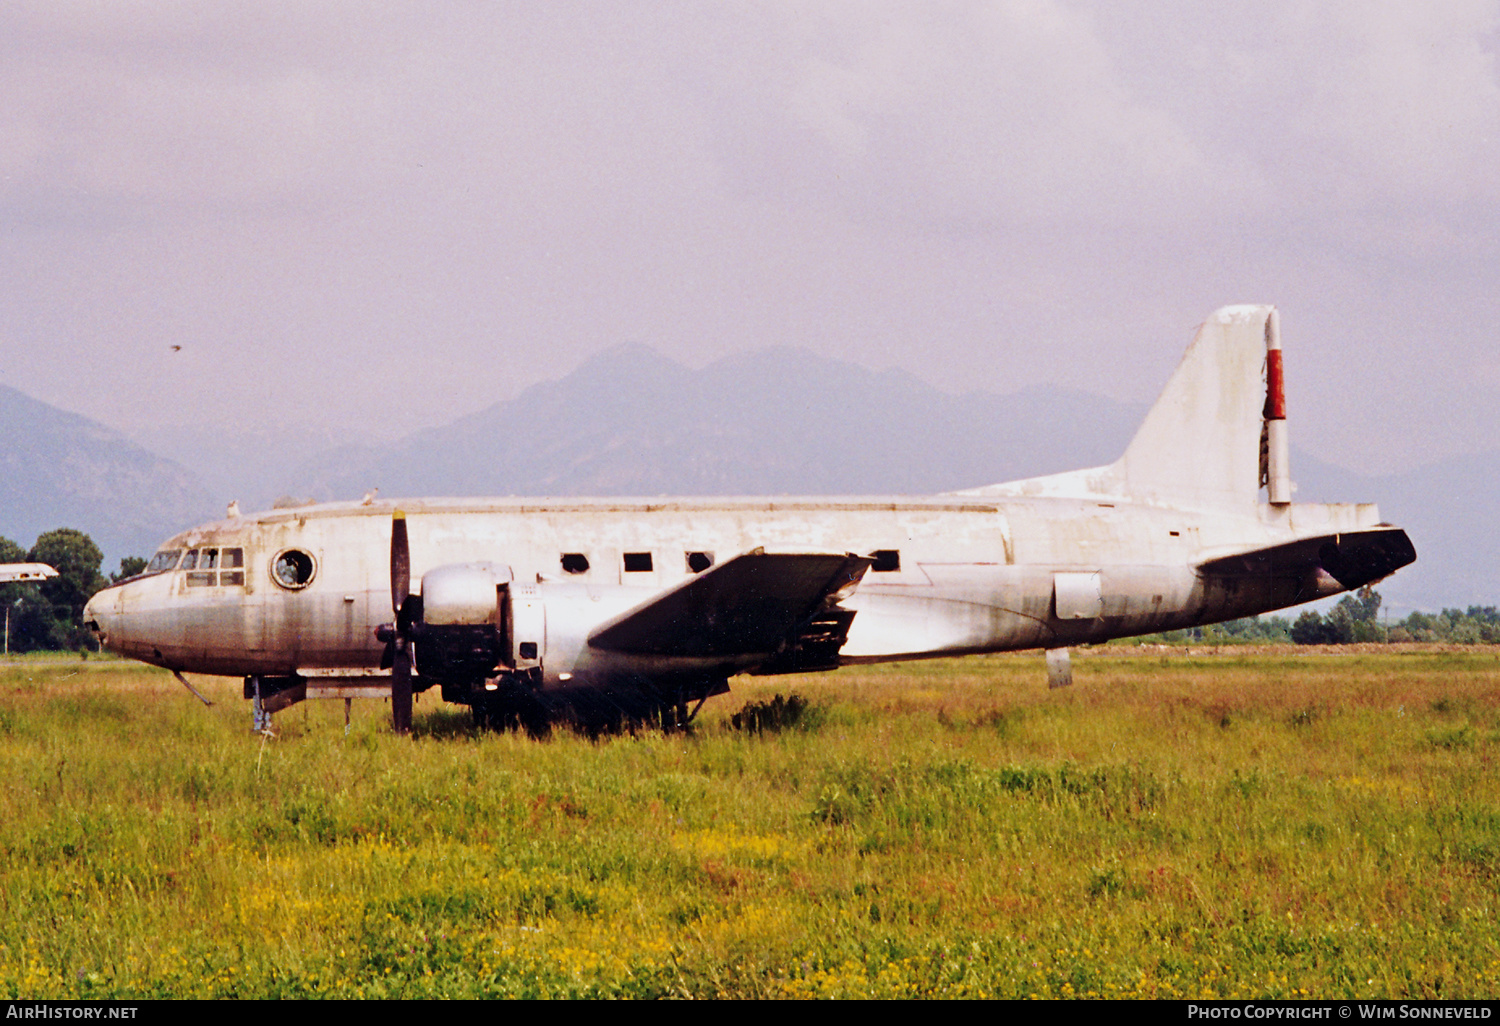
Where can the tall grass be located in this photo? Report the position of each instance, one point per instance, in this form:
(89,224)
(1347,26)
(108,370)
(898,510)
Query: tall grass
(1245,825)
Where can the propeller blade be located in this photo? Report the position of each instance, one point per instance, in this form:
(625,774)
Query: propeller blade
(406,619)
(397,655)
(400,562)
(401,687)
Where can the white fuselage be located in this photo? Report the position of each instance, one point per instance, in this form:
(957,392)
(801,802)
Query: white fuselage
(969,575)
(529,600)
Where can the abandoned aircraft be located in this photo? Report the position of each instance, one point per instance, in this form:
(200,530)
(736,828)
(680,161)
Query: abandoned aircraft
(10,572)
(629,610)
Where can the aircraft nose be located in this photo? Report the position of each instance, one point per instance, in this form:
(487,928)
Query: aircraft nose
(101,615)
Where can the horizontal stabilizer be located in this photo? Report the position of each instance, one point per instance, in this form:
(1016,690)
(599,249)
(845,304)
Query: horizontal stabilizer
(751,604)
(1353,559)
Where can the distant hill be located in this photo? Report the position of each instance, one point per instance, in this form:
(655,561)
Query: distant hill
(775,422)
(1447,508)
(58,469)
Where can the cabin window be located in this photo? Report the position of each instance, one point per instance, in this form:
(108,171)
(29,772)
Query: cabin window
(697,562)
(190,561)
(201,578)
(575,563)
(232,559)
(887,561)
(637,562)
(293,569)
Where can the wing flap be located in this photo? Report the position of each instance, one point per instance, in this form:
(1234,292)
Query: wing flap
(749,605)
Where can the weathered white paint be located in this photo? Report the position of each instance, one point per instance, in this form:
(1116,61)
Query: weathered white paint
(1042,563)
(25,572)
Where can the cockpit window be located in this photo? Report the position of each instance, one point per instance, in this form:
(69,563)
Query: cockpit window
(201,565)
(163,561)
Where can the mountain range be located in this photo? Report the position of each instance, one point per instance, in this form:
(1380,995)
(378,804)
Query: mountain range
(775,422)
(632,422)
(58,469)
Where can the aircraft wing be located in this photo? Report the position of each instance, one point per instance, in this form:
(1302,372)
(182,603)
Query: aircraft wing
(1354,558)
(755,603)
(25,572)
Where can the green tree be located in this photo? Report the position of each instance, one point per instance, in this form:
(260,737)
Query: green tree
(34,626)
(1359,616)
(1353,619)
(10,552)
(76,559)
(1339,624)
(1363,605)
(12,594)
(129,567)
(1311,629)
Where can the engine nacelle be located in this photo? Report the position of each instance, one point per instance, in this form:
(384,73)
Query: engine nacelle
(465,594)
(477,623)
(465,629)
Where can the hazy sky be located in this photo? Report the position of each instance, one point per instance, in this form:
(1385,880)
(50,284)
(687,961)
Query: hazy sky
(377,217)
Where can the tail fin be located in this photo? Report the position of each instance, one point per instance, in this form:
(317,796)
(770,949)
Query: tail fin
(1202,441)
(1214,436)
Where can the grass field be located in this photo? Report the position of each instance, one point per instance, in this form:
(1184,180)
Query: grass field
(1256,823)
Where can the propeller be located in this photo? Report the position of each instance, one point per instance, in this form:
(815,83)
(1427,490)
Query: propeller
(397,635)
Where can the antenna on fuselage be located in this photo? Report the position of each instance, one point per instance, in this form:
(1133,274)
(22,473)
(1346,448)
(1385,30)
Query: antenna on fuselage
(184,681)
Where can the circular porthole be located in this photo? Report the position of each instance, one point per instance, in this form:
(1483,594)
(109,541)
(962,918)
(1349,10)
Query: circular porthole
(293,569)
